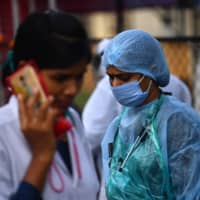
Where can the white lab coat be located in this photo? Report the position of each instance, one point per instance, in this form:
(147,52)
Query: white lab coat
(15,157)
(178,89)
(100,109)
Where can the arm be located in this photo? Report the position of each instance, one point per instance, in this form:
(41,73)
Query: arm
(37,126)
(184,156)
(8,191)
(6,184)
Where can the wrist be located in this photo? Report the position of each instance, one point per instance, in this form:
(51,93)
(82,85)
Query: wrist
(45,158)
(37,171)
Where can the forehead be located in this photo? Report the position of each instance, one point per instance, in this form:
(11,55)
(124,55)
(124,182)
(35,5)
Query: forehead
(114,71)
(74,69)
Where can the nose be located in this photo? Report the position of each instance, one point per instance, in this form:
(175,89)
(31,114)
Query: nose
(115,82)
(71,88)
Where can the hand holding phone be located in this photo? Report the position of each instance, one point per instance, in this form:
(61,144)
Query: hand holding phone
(24,81)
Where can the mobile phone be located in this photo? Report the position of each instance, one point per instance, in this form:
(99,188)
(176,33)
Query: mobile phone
(25,80)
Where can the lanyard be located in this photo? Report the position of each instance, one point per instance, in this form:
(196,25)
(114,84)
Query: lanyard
(54,167)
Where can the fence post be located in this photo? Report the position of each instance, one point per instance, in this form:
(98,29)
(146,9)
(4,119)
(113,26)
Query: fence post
(197,84)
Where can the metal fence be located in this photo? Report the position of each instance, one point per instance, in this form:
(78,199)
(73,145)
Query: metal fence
(183,56)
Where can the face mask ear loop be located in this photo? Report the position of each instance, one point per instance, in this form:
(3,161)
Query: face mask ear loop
(149,87)
(150,83)
(141,79)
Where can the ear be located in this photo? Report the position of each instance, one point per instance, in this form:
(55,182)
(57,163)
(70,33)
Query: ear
(147,84)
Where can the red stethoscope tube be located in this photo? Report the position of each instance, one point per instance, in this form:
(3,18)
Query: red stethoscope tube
(55,167)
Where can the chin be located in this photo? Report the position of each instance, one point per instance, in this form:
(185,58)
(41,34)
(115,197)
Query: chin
(61,110)
(61,105)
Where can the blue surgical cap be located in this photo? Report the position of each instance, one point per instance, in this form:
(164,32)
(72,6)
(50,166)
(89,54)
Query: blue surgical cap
(136,51)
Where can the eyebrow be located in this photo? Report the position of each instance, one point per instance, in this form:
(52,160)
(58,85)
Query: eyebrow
(118,74)
(58,73)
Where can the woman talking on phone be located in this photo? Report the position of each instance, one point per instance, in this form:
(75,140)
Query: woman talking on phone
(35,164)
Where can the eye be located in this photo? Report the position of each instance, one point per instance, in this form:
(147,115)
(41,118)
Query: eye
(124,77)
(61,78)
(79,77)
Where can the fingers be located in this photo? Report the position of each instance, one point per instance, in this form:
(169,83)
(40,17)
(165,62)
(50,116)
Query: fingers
(44,108)
(51,115)
(36,116)
(22,110)
(33,104)
(37,124)
(35,109)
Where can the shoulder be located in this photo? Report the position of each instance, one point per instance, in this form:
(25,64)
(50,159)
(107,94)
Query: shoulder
(179,123)
(183,130)
(173,105)
(180,117)
(75,119)
(11,137)
(9,112)
(177,115)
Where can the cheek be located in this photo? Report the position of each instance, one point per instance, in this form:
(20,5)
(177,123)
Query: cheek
(75,86)
(53,88)
(80,83)
(70,88)
(117,82)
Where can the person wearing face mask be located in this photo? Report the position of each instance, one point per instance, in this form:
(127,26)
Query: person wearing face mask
(34,163)
(151,149)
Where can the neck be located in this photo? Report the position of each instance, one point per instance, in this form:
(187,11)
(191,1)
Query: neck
(154,93)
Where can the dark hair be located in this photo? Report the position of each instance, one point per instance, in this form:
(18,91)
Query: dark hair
(53,39)
(96,60)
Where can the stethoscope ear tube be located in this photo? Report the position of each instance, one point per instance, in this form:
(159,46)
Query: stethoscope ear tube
(139,139)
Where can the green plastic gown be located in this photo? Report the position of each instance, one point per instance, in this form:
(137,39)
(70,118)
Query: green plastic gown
(138,171)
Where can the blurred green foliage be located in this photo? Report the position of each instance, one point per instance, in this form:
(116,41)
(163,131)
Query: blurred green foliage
(81,99)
